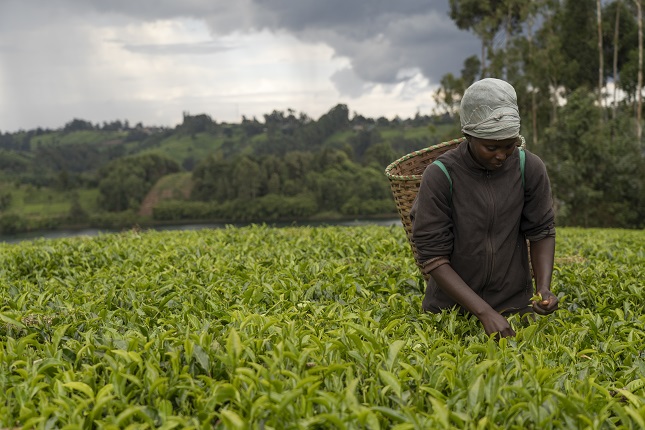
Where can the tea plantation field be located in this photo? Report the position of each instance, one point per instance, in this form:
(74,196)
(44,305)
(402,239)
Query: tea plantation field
(307,327)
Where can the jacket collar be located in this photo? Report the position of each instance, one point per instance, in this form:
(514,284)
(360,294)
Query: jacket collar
(475,167)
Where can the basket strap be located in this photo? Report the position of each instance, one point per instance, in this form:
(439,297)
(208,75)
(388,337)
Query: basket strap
(522,163)
(443,168)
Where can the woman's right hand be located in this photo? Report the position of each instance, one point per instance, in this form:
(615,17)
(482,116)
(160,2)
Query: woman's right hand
(494,322)
(452,284)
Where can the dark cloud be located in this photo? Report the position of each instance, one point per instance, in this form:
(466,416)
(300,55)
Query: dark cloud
(358,18)
(379,37)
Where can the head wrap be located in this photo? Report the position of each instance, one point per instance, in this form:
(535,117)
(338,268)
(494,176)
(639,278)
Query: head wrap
(489,110)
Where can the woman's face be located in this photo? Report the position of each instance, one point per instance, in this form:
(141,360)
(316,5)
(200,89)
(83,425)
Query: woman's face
(491,154)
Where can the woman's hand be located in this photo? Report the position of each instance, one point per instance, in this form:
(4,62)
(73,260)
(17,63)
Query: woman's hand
(542,253)
(494,322)
(452,284)
(548,304)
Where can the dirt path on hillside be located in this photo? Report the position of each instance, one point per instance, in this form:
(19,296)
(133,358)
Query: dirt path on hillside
(160,192)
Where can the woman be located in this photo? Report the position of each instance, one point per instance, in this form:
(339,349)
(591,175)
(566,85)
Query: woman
(470,223)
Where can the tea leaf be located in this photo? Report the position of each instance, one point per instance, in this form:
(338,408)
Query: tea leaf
(82,387)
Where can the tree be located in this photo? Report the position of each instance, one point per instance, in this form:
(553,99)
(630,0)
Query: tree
(470,70)
(246,180)
(600,52)
(380,154)
(485,18)
(125,182)
(362,141)
(448,95)
(578,30)
(193,124)
(595,184)
(212,180)
(76,211)
(337,119)
(615,56)
(64,181)
(251,127)
(78,125)
(639,86)
(5,200)
(549,66)
(620,44)
(511,15)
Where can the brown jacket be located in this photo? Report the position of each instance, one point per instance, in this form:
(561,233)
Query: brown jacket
(480,228)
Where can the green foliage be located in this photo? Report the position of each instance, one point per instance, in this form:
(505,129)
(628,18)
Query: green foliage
(78,157)
(13,162)
(126,181)
(11,223)
(321,329)
(176,210)
(180,147)
(5,200)
(78,125)
(579,30)
(76,211)
(627,40)
(598,171)
(28,201)
(239,170)
(379,155)
(92,137)
(194,124)
(296,187)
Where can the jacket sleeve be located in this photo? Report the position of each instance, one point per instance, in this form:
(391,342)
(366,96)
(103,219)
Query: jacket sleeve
(538,216)
(431,218)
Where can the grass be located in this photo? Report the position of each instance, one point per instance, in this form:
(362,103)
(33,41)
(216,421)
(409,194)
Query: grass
(30,201)
(181,147)
(77,137)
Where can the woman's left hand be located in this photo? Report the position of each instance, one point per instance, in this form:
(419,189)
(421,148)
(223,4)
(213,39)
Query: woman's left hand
(547,305)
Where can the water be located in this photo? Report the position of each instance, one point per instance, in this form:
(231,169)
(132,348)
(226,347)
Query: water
(59,234)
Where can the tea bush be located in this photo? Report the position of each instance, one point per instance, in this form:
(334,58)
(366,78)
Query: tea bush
(306,327)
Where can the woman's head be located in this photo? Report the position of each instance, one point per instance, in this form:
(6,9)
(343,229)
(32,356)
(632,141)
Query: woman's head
(491,153)
(489,110)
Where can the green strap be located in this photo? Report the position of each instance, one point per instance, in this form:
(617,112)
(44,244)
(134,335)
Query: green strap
(522,163)
(443,167)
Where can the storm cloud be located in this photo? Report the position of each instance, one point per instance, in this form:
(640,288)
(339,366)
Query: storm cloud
(91,58)
(380,37)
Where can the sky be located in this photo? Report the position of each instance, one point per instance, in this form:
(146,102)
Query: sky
(150,61)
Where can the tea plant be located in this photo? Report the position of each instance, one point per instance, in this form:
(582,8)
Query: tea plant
(306,328)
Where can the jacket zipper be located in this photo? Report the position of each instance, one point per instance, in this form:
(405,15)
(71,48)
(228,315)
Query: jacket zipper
(489,241)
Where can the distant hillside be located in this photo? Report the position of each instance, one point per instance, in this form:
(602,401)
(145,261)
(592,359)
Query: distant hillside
(285,166)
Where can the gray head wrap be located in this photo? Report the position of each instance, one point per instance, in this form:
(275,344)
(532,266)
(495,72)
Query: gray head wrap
(489,110)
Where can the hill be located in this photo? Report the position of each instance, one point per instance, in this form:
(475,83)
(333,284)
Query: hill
(286,167)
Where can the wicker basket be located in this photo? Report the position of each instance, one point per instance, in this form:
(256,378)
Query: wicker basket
(405,178)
